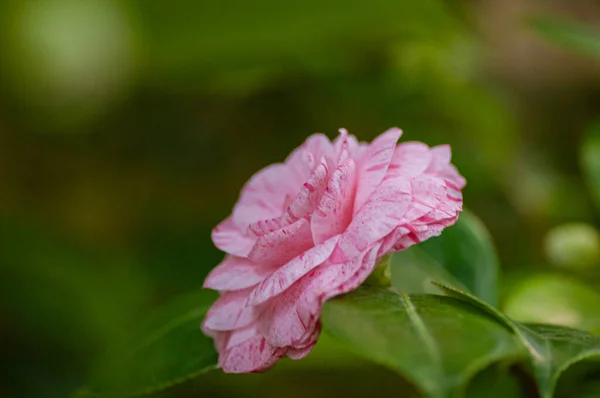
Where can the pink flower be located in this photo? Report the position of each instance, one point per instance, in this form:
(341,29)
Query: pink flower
(314,227)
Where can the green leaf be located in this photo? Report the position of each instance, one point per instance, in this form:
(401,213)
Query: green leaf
(439,343)
(496,381)
(568,34)
(589,158)
(554,299)
(463,256)
(169,349)
(552,349)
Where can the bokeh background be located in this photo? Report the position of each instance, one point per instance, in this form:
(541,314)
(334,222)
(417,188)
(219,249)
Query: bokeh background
(128,127)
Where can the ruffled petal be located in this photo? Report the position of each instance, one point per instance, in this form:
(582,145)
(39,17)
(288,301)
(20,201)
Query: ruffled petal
(377,218)
(236,273)
(247,352)
(230,312)
(229,238)
(354,276)
(373,167)
(286,275)
(309,195)
(410,159)
(301,351)
(263,197)
(335,209)
(280,246)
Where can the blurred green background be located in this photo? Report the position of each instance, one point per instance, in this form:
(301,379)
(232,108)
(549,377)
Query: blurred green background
(127,129)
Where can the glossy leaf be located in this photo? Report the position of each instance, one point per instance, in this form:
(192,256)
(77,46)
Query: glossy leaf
(169,349)
(554,299)
(571,35)
(463,256)
(438,343)
(552,349)
(590,160)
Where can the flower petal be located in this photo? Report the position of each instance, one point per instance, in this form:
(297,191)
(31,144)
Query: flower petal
(308,198)
(286,275)
(373,167)
(263,197)
(335,209)
(236,273)
(410,159)
(229,238)
(377,218)
(248,352)
(282,323)
(355,275)
(299,352)
(229,312)
(279,247)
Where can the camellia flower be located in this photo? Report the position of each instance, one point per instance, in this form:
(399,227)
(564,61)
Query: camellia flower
(315,227)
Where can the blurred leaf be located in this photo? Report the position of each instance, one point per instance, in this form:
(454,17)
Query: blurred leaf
(215,41)
(590,159)
(494,382)
(168,350)
(571,35)
(414,269)
(463,256)
(439,343)
(552,349)
(554,299)
(70,294)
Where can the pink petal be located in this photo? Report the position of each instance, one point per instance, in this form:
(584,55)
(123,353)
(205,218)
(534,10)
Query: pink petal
(229,312)
(286,275)
(341,146)
(263,197)
(282,323)
(410,159)
(299,352)
(228,238)
(310,193)
(440,158)
(320,147)
(431,192)
(374,165)
(279,247)
(248,352)
(335,210)
(305,158)
(354,276)
(440,166)
(236,273)
(220,338)
(356,149)
(291,318)
(263,227)
(418,235)
(377,218)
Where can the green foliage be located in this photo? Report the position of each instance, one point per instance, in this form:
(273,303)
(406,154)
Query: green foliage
(568,34)
(590,160)
(169,349)
(463,256)
(226,50)
(554,299)
(439,343)
(552,349)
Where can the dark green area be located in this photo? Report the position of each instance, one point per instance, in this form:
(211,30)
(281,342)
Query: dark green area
(127,128)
